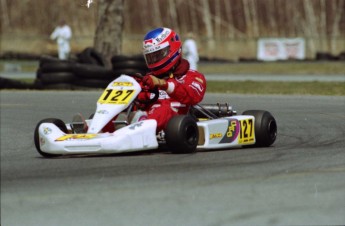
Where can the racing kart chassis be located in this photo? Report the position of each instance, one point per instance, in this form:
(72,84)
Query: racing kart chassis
(206,126)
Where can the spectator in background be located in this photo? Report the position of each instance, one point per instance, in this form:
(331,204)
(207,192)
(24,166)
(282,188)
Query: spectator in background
(190,51)
(62,34)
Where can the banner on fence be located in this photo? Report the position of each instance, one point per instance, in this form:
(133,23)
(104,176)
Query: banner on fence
(271,49)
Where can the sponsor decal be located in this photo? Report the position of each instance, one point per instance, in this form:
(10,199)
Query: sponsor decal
(199,80)
(47,130)
(162,95)
(215,135)
(150,48)
(232,131)
(162,36)
(122,84)
(139,124)
(76,137)
(42,141)
(197,86)
(103,112)
(148,41)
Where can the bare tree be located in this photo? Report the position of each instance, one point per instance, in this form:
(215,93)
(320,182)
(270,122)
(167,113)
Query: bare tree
(228,14)
(108,37)
(4,14)
(218,18)
(208,24)
(194,18)
(323,22)
(173,14)
(157,18)
(310,23)
(338,10)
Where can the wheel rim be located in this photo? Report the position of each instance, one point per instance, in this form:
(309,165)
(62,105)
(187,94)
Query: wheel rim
(272,129)
(191,135)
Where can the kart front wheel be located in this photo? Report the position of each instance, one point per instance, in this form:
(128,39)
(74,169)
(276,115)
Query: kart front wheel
(182,134)
(59,123)
(265,127)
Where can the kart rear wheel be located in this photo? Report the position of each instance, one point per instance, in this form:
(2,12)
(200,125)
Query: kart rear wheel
(59,123)
(182,134)
(265,127)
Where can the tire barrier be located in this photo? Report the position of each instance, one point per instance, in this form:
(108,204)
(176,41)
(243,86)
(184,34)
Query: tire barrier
(45,59)
(122,64)
(57,77)
(91,56)
(54,73)
(87,71)
(90,71)
(324,56)
(6,83)
(342,56)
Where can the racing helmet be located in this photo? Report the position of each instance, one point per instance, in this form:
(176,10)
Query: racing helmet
(162,50)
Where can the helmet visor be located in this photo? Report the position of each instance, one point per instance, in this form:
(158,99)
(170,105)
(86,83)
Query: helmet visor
(152,58)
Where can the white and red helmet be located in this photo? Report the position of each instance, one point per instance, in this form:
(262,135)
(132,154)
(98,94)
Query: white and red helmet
(162,50)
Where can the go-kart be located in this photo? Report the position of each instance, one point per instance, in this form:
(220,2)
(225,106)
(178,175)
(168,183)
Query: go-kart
(206,126)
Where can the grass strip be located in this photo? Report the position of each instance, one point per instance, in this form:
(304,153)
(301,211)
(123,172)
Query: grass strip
(276,68)
(280,67)
(287,88)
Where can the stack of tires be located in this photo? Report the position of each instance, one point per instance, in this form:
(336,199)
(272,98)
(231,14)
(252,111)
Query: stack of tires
(86,71)
(91,71)
(55,74)
(128,65)
(325,56)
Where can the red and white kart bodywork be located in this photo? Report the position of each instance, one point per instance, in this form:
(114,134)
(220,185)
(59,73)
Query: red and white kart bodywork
(211,126)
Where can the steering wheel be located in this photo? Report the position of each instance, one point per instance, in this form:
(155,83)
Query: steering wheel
(155,91)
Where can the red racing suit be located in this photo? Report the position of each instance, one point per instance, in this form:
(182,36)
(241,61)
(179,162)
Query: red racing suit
(185,88)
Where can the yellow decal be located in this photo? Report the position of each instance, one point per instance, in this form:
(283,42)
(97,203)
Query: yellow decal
(122,84)
(116,96)
(215,135)
(231,129)
(76,137)
(200,80)
(247,133)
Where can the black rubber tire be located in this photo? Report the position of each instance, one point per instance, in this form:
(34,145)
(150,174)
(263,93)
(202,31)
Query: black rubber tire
(182,134)
(89,71)
(119,58)
(324,56)
(341,56)
(265,127)
(46,59)
(38,84)
(91,56)
(58,86)
(132,64)
(38,73)
(6,83)
(128,71)
(92,83)
(61,66)
(57,77)
(59,123)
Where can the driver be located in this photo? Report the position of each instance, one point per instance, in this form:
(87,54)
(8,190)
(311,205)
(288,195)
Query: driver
(179,86)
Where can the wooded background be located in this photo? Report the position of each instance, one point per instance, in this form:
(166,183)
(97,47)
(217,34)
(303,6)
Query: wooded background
(224,28)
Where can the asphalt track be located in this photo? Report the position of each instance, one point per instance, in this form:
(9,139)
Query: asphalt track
(300,180)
